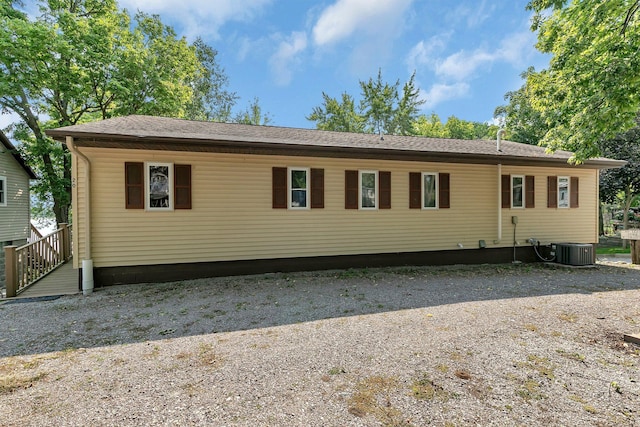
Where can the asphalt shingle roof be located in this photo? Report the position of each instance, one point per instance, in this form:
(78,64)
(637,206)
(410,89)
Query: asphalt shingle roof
(151,130)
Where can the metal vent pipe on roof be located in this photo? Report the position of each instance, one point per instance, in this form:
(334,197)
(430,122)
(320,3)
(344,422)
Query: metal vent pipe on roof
(499,136)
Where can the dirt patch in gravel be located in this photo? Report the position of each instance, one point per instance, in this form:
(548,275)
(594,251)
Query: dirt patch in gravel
(484,345)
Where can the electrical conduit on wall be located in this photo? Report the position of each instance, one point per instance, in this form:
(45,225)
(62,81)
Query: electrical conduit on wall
(87,262)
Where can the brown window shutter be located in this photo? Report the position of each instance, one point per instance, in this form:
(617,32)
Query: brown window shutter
(443,191)
(351,189)
(317,188)
(415,188)
(530,191)
(134,185)
(552,192)
(182,186)
(384,181)
(506,191)
(574,189)
(279,188)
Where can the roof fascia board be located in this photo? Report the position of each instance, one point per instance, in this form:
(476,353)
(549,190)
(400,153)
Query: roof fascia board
(100,140)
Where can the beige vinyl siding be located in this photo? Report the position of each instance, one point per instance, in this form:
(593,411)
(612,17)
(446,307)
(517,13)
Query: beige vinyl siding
(15,216)
(232,216)
(555,225)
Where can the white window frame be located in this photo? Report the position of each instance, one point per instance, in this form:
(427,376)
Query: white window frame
(290,188)
(437,190)
(376,190)
(567,203)
(522,181)
(3,198)
(147,189)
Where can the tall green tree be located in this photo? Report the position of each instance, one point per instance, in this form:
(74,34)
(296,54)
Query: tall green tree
(381,109)
(384,111)
(253,115)
(459,129)
(484,130)
(431,126)
(337,115)
(408,108)
(211,101)
(377,104)
(83,60)
(522,122)
(623,184)
(591,90)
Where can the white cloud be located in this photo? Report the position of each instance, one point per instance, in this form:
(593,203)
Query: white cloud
(517,48)
(244,48)
(454,73)
(513,50)
(461,65)
(346,17)
(471,14)
(443,92)
(199,17)
(286,57)
(423,53)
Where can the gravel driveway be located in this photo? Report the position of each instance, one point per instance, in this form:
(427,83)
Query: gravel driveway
(450,346)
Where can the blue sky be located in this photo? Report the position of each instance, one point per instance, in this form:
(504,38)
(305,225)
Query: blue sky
(467,54)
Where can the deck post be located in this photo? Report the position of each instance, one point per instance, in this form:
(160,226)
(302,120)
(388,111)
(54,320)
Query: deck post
(635,251)
(66,241)
(11,270)
(633,235)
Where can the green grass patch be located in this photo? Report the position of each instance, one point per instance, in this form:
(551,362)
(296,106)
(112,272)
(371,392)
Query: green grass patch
(609,251)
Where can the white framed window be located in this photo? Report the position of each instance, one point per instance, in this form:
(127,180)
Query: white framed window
(298,182)
(429,190)
(158,180)
(3,191)
(563,191)
(368,190)
(517,191)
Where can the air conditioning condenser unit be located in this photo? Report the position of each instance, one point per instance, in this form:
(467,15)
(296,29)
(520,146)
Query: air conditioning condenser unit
(575,254)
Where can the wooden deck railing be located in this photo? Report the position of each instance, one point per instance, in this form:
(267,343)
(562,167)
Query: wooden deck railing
(35,234)
(27,264)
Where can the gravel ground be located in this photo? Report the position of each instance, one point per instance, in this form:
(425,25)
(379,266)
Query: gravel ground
(455,346)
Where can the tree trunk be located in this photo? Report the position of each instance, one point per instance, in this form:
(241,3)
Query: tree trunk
(61,211)
(600,220)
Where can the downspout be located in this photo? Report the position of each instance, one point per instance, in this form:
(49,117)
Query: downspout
(499,150)
(499,203)
(87,262)
(598,207)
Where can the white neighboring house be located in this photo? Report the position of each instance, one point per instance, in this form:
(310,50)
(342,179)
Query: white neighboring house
(14,195)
